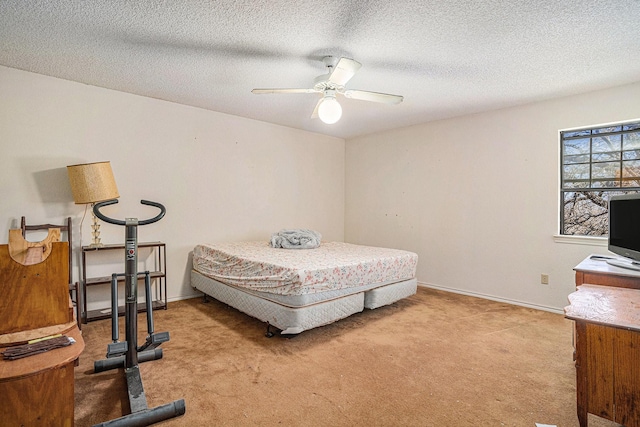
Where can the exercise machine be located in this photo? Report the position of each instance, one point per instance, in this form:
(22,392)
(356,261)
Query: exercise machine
(127,354)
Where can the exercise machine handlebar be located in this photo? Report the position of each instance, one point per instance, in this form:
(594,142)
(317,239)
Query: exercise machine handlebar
(99,205)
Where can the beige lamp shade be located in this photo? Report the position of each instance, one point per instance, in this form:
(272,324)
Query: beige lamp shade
(92,182)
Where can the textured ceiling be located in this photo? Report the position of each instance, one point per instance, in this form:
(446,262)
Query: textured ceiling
(446,58)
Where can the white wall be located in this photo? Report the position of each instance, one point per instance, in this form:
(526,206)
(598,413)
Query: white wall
(477,196)
(221,177)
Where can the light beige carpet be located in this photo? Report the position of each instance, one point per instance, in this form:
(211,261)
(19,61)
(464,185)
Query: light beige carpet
(434,359)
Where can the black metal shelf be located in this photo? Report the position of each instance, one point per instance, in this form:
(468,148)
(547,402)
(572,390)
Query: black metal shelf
(106,313)
(107,279)
(159,276)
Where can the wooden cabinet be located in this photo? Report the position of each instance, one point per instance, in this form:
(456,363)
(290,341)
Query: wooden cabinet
(37,390)
(607,343)
(158,277)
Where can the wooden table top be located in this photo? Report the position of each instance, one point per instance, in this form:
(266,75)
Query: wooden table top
(14,369)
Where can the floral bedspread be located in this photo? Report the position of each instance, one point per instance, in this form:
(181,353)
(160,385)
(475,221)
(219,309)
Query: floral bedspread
(333,265)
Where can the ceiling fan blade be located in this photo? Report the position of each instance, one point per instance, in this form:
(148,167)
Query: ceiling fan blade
(343,71)
(364,95)
(261,91)
(314,115)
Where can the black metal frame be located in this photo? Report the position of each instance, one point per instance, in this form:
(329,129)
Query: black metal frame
(159,276)
(127,354)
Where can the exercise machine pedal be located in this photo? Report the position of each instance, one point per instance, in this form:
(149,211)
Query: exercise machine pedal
(116,349)
(154,340)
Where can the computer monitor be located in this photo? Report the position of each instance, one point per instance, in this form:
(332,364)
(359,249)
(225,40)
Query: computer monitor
(624,230)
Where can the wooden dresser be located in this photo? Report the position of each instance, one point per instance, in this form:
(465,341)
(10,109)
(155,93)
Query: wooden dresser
(606,311)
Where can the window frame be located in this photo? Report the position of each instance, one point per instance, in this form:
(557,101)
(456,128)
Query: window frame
(591,135)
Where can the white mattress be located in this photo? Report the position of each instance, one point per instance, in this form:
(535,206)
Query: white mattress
(333,266)
(299,289)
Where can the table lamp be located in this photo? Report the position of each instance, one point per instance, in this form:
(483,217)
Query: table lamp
(92,183)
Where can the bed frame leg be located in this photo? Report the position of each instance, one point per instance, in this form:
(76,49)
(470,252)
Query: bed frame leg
(268,334)
(205,298)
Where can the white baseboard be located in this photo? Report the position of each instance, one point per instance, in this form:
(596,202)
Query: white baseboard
(440,288)
(181,297)
(493,298)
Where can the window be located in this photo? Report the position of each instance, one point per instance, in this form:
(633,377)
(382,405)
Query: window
(597,163)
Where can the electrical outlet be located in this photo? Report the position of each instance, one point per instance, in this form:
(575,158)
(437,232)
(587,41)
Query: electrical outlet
(544,279)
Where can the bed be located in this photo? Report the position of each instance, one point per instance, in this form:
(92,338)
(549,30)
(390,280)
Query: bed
(295,290)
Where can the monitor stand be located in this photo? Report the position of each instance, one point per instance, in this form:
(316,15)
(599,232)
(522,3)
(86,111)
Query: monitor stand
(631,265)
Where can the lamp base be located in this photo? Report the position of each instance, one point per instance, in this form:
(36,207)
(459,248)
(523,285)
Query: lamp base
(96,232)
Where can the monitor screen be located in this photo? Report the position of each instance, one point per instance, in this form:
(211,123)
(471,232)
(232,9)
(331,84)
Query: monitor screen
(624,226)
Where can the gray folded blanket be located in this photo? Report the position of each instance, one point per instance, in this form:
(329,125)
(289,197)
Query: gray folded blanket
(296,239)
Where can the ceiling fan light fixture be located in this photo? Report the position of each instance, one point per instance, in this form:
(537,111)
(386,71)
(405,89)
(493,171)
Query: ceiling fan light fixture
(329,110)
(339,73)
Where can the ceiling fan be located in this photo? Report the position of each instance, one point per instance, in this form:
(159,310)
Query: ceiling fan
(329,85)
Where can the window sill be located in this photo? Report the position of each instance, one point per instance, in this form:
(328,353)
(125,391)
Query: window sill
(582,240)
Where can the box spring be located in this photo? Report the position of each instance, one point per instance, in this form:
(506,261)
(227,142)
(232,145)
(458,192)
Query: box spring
(294,315)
